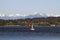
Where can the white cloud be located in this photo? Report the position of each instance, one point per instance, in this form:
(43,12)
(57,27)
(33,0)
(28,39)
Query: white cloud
(12,15)
(54,15)
(35,12)
(2,15)
(18,15)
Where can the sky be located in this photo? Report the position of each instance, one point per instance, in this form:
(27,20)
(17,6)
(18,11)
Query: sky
(30,6)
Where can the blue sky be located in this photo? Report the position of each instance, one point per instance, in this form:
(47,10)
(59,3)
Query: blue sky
(29,6)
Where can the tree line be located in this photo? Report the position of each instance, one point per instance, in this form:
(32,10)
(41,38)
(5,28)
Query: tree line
(36,21)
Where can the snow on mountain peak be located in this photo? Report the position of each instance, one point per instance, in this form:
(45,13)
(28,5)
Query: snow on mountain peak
(11,15)
(46,15)
(19,16)
(53,15)
(41,14)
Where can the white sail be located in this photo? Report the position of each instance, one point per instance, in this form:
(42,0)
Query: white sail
(32,28)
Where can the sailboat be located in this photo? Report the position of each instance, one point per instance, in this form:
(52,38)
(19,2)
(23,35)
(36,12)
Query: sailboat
(31,27)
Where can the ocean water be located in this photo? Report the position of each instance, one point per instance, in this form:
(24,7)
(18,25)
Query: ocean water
(29,35)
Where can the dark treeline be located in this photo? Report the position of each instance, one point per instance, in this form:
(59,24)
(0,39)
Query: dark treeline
(36,21)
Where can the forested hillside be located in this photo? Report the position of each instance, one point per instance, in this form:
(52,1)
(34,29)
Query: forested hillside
(36,21)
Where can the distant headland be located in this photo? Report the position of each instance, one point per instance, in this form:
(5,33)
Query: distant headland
(49,21)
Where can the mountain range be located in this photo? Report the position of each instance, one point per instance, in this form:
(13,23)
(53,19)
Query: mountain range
(21,16)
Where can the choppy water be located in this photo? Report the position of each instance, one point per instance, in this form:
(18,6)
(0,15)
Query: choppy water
(29,36)
(14,35)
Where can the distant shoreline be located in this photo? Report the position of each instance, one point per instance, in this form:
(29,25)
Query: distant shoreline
(50,21)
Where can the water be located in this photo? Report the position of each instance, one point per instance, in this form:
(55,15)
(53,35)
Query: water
(28,35)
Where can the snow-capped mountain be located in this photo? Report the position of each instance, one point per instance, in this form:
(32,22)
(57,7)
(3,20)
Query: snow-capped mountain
(36,16)
(22,16)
